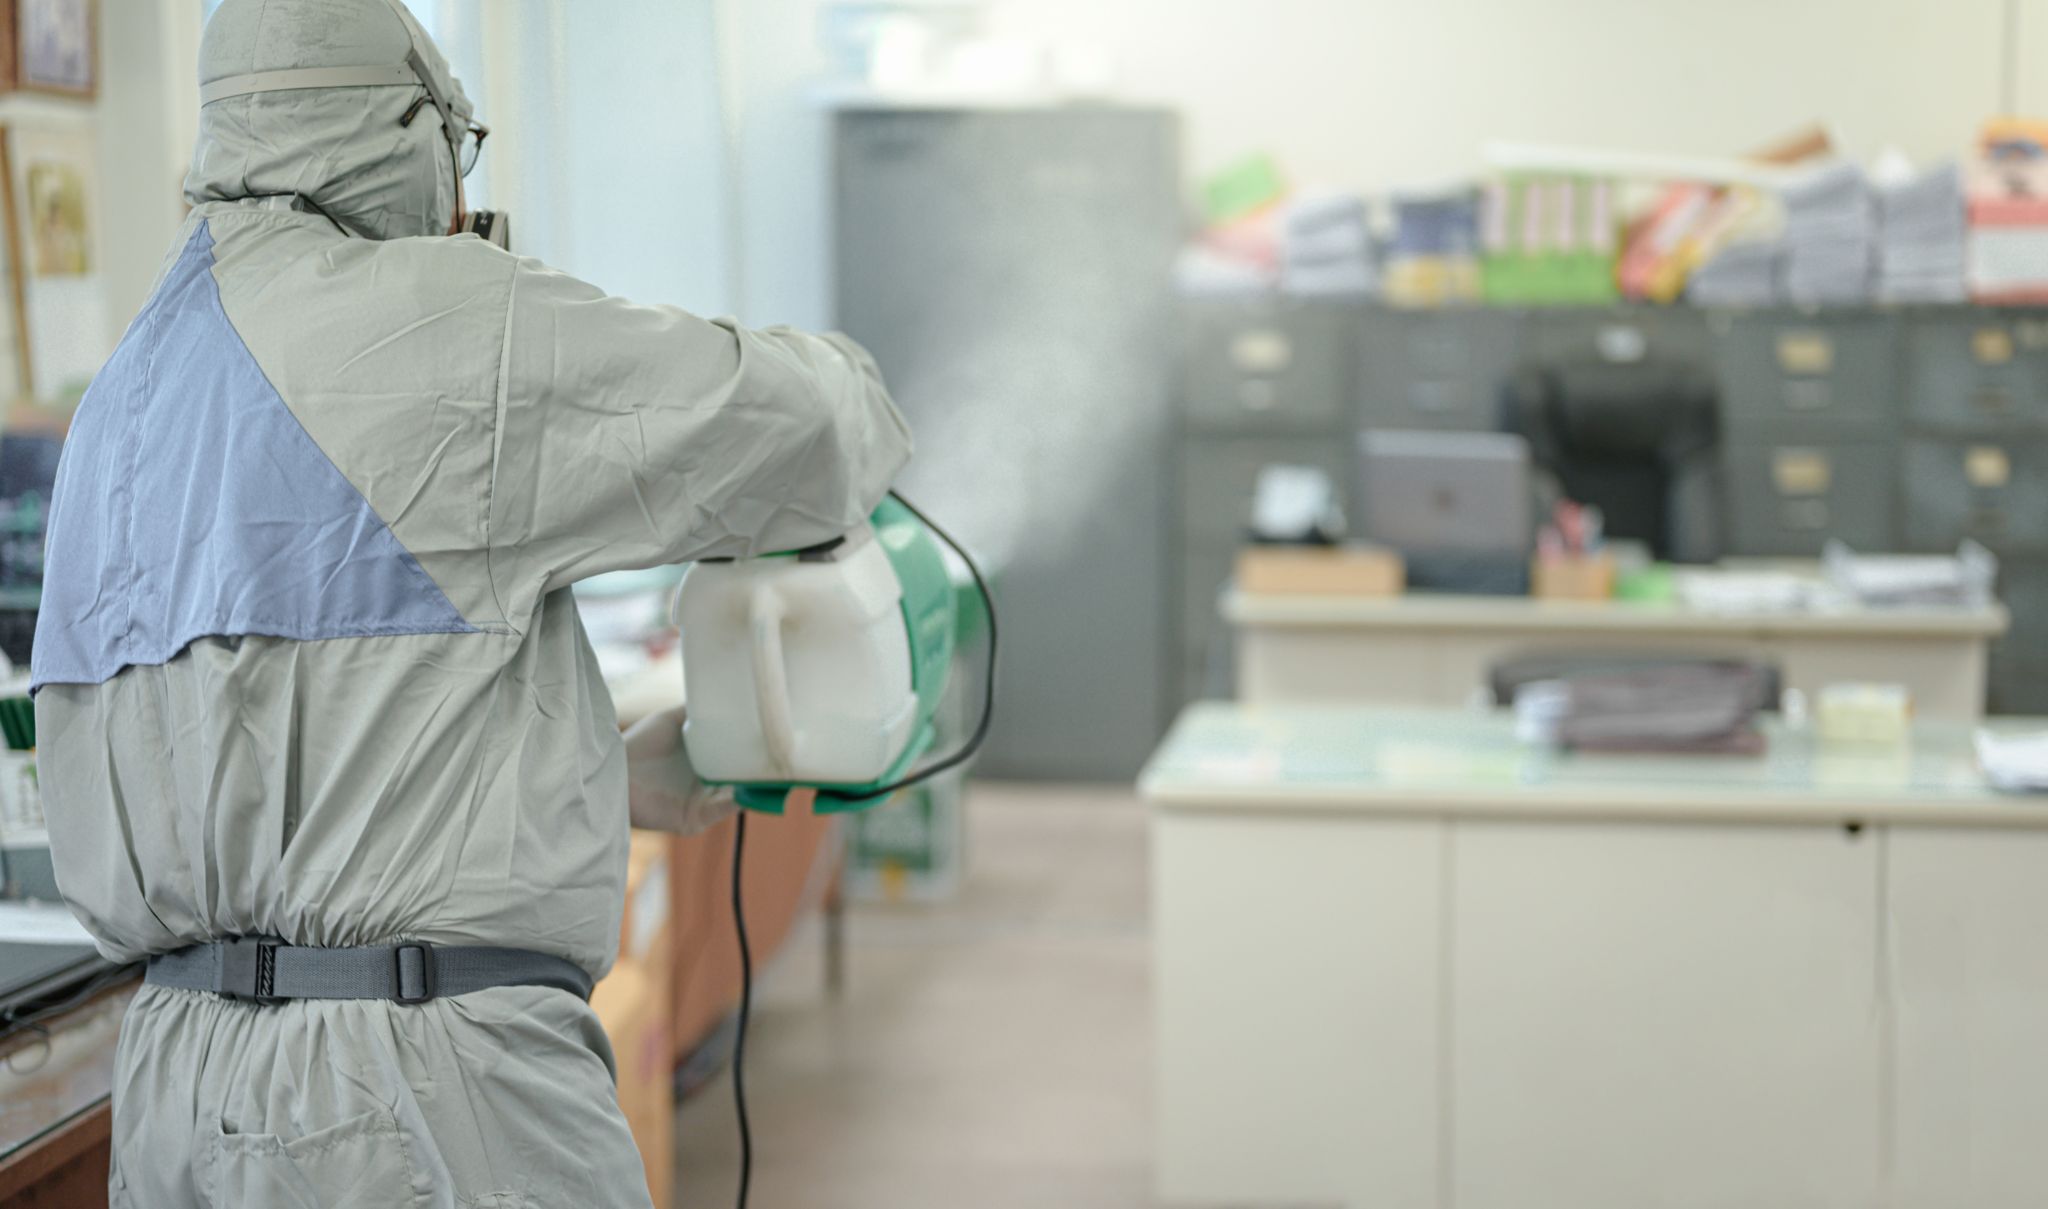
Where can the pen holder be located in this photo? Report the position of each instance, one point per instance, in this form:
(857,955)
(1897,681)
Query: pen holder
(1573,577)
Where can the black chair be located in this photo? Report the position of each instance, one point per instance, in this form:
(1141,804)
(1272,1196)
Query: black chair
(1638,439)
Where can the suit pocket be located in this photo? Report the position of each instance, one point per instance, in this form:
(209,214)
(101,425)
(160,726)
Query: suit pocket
(358,1164)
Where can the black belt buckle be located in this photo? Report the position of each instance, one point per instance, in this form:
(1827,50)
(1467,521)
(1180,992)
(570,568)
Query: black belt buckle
(420,973)
(248,970)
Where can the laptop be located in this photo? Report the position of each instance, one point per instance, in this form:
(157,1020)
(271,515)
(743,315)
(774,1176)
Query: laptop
(1446,492)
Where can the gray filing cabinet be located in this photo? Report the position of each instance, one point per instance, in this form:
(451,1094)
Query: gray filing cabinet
(2019,661)
(1809,407)
(1988,488)
(1264,382)
(1975,465)
(1011,272)
(1887,428)
(1977,371)
(1436,369)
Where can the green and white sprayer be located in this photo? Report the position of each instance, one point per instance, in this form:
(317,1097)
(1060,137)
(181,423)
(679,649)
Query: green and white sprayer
(821,669)
(824,669)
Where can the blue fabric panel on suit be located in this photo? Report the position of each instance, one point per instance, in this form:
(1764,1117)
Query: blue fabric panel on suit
(192,504)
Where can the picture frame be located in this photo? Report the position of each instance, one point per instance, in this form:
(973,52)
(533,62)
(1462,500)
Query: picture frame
(55,256)
(54,46)
(17,381)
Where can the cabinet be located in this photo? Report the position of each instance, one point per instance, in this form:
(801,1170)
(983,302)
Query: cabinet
(1298,1039)
(1436,369)
(1663,1015)
(1409,1007)
(1969,985)
(1011,272)
(1265,365)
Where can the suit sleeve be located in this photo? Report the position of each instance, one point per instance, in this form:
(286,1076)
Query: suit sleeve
(633,436)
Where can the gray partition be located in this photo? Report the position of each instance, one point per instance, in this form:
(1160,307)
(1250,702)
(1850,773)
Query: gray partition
(1010,270)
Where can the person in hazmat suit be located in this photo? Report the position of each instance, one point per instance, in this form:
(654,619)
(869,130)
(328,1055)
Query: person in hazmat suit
(321,737)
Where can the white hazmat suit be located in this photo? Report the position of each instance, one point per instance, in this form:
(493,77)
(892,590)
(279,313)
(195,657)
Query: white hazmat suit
(308,668)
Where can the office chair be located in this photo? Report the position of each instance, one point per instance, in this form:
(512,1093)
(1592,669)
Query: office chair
(1638,439)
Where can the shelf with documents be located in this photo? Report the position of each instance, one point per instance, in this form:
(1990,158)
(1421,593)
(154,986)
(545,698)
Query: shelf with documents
(1890,427)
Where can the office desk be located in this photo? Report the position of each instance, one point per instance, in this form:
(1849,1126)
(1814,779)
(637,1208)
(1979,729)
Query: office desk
(1426,649)
(1401,960)
(55,1115)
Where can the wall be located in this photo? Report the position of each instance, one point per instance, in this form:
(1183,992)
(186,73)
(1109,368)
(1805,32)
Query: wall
(148,119)
(1368,94)
(610,153)
(606,145)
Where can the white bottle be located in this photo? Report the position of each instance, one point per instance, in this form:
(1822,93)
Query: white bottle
(797,671)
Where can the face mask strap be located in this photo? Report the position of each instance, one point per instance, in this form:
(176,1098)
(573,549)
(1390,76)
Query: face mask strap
(450,129)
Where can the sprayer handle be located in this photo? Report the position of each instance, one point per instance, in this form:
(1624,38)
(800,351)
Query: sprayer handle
(771,678)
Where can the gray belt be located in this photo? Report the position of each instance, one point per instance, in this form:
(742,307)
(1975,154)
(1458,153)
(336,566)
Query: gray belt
(268,971)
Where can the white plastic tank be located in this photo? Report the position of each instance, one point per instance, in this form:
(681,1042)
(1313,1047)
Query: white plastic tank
(797,671)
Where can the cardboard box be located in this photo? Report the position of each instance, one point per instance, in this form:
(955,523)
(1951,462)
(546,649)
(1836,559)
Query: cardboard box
(1321,571)
(636,1005)
(1573,578)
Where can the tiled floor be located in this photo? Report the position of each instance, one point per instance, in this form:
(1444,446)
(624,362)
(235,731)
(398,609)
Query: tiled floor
(990,1053)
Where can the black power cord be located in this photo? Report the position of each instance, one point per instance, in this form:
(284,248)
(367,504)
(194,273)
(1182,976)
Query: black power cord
(739,1044)
(739,845)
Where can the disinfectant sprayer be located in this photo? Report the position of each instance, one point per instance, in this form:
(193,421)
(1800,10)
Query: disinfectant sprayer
(821,669)
(824,668)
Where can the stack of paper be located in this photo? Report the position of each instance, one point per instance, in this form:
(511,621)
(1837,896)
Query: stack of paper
(1741,274)
(1204,272)
(1326,249)
(1742,593)
(2014,763)
(1963,580)
(1922,235)
(1830,236)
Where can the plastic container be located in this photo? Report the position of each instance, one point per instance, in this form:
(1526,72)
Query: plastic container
(818,670)
(799,670)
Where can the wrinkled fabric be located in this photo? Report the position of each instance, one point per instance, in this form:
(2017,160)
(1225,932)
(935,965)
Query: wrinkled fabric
(509,430)
(343,147)
(147,574)
(501,1099)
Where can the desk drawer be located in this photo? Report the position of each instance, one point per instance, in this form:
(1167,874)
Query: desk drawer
(1841,369)
(1789,499)
(1619,337)
(1267,365)
(1436,369)
(1977,371)
(1994,491)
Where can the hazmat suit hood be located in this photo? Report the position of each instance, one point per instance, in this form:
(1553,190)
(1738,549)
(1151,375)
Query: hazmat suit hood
(340,147)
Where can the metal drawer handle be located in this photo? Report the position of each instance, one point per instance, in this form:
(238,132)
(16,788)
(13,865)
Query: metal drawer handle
(1805,516)
(1998,400)
(1808,394)
(1257,394)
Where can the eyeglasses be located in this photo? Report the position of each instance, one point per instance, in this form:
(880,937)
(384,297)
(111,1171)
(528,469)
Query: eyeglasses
(471,144)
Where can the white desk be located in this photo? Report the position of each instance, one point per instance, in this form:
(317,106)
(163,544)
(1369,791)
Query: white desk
(1436,650)
(1402,961)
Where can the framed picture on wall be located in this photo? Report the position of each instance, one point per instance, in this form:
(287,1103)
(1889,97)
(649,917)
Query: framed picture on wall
(56,46)
(16,385)
(53,213)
